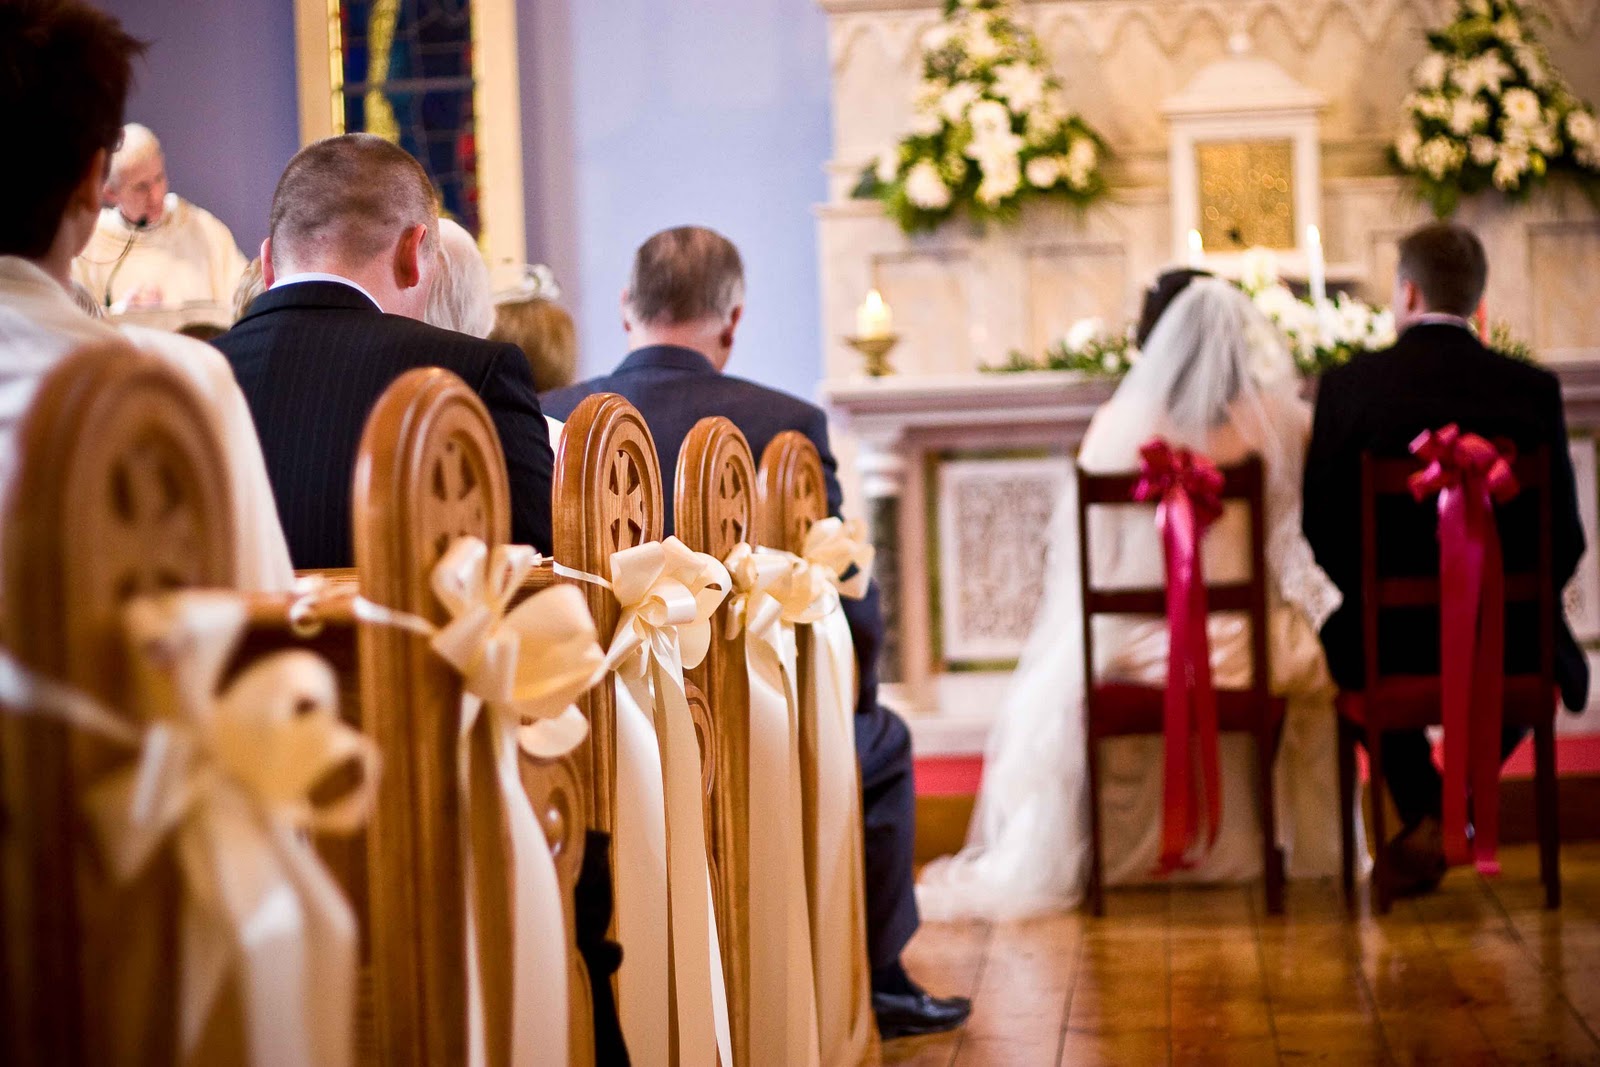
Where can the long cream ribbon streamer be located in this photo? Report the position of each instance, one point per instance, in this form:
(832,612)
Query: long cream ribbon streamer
(526,666)
(772,592)
(668,594)
(832,548)
(228,777)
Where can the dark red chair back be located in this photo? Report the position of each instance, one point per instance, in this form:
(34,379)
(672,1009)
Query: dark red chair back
(1409,701)
(1116,709)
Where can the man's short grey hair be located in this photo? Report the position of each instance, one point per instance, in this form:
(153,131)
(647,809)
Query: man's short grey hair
(461,298)
(139,145)
(350,198)
(683,275)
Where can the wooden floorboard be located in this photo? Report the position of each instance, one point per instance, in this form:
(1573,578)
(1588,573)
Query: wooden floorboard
(1476,973)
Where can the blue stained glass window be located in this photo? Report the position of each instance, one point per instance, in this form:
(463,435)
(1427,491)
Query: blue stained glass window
(408,77)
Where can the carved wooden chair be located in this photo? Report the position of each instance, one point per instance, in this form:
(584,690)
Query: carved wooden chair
(715,504)
(1117,709)
(608,497)
(138,505)
(791,497)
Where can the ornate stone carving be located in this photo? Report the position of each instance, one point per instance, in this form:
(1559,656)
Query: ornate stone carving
(994,518)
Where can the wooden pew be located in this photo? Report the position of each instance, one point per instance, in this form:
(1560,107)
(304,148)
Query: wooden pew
(138,504)
(607,497)
(791,496)
(715,506)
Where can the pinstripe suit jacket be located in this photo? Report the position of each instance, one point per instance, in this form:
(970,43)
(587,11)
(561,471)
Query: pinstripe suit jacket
(313,358)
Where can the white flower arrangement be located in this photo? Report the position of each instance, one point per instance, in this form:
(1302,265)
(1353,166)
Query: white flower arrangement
(988,127)
(1489,111)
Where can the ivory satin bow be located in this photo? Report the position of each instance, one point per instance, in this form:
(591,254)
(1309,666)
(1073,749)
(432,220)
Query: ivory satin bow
(1187,489)
(1469,476)
(526,666)
(838,545)
(668,595)
(226,778)
(771,593)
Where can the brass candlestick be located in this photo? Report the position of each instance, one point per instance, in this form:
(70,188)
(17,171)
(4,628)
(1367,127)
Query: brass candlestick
(876,350)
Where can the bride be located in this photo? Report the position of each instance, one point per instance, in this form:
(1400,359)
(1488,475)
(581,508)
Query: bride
(1215,378)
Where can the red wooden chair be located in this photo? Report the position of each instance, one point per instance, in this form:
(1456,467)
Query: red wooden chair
(1410,701)
(1117,709)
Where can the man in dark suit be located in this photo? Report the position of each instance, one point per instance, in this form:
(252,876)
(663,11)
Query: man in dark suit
(1437,373)
(682,306)
(349,261)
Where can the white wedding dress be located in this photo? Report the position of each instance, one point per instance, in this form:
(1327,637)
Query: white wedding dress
(1214,378)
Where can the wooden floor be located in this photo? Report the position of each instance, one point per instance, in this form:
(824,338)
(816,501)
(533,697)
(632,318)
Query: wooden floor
(1476,973)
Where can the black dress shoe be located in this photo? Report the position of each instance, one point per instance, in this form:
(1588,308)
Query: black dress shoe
(917,1012)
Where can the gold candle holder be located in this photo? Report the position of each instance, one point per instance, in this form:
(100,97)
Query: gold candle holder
(876,351)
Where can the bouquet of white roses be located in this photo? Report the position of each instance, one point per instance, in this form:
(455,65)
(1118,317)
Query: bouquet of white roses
(1328,334)
(988,127)
(1489,111)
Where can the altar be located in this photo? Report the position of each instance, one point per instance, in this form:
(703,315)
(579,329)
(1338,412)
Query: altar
(958,469)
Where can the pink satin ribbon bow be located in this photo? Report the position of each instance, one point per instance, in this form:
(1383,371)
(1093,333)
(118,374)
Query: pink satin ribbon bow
(1470,476)
(1187,488)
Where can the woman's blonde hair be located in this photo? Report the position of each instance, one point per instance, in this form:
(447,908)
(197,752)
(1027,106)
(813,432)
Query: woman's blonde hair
(544,332)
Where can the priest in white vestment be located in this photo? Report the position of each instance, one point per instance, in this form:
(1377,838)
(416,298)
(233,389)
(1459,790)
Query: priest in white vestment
(151,248)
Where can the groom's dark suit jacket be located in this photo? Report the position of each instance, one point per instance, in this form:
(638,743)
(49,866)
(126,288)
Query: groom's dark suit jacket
(313,358)
(674,388)
(1437,373)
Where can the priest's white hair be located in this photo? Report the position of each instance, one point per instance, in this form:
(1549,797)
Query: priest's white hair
(139,144)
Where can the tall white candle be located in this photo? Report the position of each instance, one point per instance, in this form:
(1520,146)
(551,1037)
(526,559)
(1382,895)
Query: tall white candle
(1197,248)
(873,318)
(1316,269)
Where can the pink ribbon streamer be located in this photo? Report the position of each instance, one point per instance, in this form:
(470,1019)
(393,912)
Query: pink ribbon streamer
(1469,476)
(1187,488)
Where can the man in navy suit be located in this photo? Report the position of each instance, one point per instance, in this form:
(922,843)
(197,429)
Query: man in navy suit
(1437,373)
(683,304)
(349,261)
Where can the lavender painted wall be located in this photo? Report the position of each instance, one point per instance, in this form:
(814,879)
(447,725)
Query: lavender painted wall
(713,112)
(218,88)
(637,115)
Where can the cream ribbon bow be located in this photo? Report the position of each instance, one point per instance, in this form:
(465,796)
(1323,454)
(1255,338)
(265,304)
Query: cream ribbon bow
(771,591)
(838,545)
(526,666)
(668,595)
(227,778)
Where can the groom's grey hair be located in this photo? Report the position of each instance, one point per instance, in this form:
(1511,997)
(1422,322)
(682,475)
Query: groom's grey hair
(686,274)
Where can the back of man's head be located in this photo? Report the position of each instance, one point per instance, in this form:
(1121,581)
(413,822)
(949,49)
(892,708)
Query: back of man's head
(1446,263)
(684,276)
(65,69)
(344,201)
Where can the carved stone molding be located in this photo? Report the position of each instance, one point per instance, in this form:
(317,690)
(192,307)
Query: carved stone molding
(898,25)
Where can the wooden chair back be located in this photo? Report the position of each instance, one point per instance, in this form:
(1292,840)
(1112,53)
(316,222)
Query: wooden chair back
(1243,482)
(120,488)
(1389,479)
(791,497)
(430,470)
(1113,710)
(607,497)
(715,510)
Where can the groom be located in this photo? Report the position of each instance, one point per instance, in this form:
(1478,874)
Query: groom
(1437,373)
